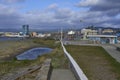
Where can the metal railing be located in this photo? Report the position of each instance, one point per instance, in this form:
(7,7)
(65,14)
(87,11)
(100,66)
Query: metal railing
(78,71)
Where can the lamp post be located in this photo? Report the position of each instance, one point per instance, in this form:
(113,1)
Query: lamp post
(61,34)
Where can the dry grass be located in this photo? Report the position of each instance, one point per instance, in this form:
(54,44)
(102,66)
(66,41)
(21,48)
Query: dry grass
(58,58)
(14,47)
(12,66)
(95,62)
(9,49)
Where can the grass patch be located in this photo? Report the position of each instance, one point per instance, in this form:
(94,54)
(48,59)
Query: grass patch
(45,42)
(58,58)
(95,62)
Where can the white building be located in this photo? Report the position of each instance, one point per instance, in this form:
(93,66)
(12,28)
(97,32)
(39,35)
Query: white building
(71,32)
(103,39)
(86,32)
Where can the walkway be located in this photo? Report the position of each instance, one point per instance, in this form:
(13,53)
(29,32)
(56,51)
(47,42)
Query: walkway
(111,49)
(62,74)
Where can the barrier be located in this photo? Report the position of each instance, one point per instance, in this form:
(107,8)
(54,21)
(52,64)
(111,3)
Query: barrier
(78,71)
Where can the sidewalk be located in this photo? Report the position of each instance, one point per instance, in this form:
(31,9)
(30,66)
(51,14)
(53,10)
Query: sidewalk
(111,49)
(62,74)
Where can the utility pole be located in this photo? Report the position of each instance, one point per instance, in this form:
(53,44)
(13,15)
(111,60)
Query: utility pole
(61,34)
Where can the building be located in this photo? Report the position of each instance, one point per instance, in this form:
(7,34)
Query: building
(71,32)
(71,35)
(108,31)
(34,34)
(103,39)
(86,32)
(46,35)
(25,30)
(1,33)
(11,34)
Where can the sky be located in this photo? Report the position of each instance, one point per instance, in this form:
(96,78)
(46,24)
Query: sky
(54,14)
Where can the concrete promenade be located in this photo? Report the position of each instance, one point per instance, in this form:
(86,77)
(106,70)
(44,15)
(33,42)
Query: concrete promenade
(62,74)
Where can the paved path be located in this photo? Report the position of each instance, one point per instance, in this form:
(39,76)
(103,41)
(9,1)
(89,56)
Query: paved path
(62,74)
(111,49)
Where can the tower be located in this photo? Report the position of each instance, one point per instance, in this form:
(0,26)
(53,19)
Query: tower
(25,30)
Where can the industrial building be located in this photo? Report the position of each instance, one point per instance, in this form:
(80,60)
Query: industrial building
(103,39)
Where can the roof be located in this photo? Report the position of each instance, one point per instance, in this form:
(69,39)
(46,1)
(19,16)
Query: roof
(71,32)
(111,36)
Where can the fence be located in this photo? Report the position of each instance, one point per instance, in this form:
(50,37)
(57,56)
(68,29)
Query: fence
(75,67)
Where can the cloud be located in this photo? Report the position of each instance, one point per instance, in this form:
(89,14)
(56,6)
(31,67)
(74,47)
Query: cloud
(9,18)
(12,1)
(52,6)
(110,7)
(55,17)
(100,4)
(46,20)
(63,13)
(87,3)
(101,12)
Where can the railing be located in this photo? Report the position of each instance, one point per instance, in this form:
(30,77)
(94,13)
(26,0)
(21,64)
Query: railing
(78,71)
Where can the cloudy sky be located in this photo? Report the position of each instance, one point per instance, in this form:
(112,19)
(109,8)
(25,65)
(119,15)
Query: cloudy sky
(53,14)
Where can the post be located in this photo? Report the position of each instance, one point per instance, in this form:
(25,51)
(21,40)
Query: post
(61,34)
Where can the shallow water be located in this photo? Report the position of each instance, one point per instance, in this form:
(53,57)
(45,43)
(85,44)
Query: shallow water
(33,53)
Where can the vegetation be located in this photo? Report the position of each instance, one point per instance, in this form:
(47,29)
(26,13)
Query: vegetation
(12,66)
(45,42)
(95,62)
(58,58)
(9,49)
(16,47)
